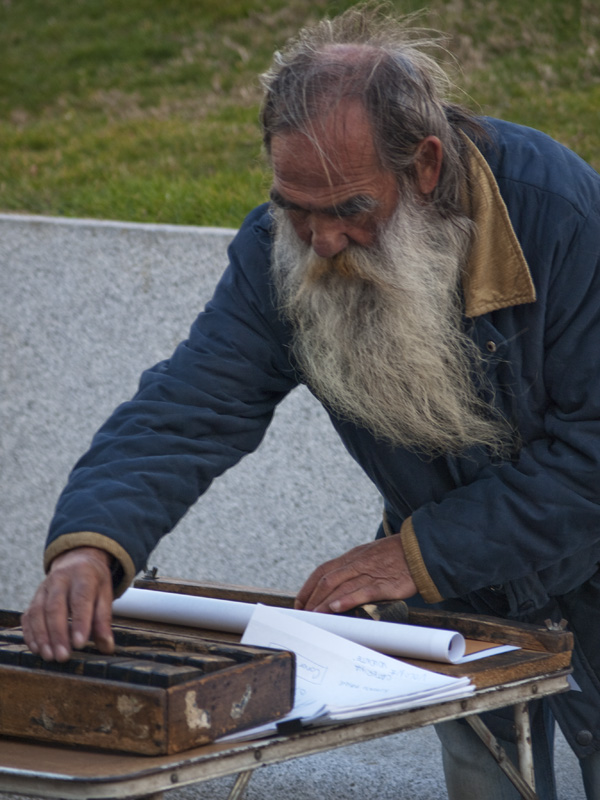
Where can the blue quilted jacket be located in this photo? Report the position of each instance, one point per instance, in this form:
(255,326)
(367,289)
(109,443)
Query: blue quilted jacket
(519,538)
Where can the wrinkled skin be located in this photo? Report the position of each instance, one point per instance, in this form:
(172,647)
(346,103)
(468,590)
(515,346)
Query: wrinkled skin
(365,574)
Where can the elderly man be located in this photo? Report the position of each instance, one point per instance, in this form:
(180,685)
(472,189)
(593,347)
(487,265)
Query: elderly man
(434,279)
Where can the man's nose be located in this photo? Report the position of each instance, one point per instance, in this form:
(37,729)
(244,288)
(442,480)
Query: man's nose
(328,236)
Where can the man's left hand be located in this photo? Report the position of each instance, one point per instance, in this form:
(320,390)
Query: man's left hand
(366,574)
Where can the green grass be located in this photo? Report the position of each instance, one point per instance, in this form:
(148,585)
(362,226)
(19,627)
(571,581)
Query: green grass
(147,110)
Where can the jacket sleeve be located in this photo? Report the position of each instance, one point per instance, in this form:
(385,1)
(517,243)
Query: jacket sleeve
(193,417)
(535,520)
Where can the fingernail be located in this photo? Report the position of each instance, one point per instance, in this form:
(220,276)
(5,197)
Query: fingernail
(106,644)
(62,654)
(335,606)
(47,653)
(78,639)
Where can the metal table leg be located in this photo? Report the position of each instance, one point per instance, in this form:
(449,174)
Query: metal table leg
(524,781)
(239,787)
(524,743)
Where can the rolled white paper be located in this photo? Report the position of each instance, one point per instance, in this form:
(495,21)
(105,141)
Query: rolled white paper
(184,609)
(393,638)
(410,641)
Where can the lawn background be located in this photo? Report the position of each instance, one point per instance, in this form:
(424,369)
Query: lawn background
(146,110)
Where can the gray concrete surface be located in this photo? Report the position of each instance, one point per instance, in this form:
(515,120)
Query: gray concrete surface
(86,306)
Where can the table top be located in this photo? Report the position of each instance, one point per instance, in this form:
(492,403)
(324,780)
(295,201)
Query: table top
(540,667)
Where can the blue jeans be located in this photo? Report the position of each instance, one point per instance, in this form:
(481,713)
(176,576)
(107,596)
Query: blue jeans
(472,772)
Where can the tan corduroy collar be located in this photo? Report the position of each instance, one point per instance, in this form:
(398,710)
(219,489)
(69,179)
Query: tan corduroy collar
(497,275)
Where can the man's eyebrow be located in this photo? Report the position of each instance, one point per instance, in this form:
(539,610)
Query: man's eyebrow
(353,205)
(359,204)
(279,200)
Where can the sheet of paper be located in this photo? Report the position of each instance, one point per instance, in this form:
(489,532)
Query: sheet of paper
(408,641)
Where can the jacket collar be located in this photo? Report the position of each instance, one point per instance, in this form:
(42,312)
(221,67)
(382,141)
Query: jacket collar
(496,275)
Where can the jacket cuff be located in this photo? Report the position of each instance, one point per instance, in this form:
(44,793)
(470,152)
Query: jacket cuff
(419,572)
(123,570)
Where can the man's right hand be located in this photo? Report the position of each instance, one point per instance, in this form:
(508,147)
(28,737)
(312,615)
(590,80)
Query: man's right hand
(78,585)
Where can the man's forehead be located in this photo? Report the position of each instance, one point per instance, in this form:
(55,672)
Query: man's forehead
(336,152)
(337,139)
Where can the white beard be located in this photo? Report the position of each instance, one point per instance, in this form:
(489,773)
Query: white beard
(378,332)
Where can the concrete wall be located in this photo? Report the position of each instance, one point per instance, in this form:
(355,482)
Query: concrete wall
(85,307)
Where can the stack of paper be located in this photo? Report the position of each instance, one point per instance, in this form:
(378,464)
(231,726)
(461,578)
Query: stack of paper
(338,680)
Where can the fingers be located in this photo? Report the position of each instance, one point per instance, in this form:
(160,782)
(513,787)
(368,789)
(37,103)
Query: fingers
(368,573)
(307,591)
(78,584)
(90,598)
(344,588)
(48,598)
(331,580)
(101,623)
(325,589)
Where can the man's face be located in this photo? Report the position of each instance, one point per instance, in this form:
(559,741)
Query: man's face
(331,185)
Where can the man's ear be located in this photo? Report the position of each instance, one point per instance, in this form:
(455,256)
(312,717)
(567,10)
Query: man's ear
(428,163)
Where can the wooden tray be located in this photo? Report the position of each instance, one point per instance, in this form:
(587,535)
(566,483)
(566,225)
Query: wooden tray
(234,687)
